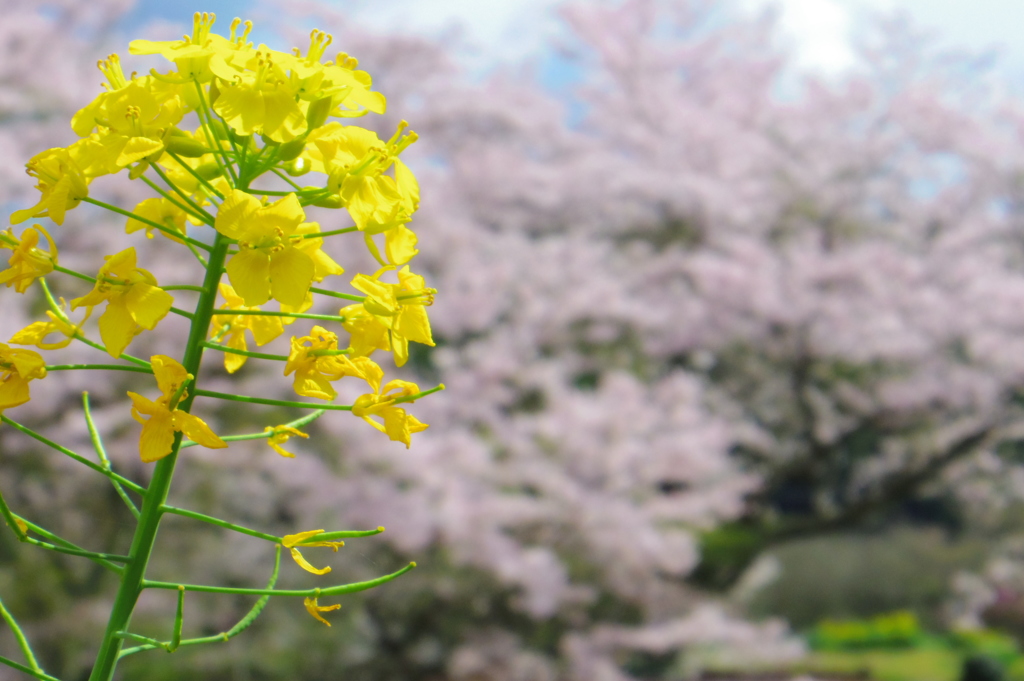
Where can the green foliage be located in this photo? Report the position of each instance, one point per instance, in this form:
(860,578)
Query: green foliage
(898,629)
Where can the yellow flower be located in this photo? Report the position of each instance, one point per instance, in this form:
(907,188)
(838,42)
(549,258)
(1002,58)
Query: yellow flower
(280,435)
(131,120)
(27,262)
(261,99)
(134,301)
(232,328)
(36,332)
(267,265)
(62,182)
(399,308)
(290,541)
(315,366)
(203,54)
(161,211)
(165,419)
(397,424)
(17,368)
(315,610)
(355,161)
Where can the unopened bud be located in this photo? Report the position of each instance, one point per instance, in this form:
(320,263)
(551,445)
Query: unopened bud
(185,146)
(297,166)
(289,151)
(318,111)
(329,201)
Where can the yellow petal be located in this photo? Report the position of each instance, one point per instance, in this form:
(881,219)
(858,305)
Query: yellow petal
(291,275)
(169,373)
(117,328)
(157,437)
(13,391)
(249,273)
(138,148)
(414,324)
(315,610)
(196,430)
(233,362)
(235,212)
(305,565)
(148,304)
(241,108)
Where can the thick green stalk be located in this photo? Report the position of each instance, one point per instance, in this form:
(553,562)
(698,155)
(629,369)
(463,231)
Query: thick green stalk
(156,495)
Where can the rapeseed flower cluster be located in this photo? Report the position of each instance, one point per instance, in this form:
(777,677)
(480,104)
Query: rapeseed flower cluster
(220,138)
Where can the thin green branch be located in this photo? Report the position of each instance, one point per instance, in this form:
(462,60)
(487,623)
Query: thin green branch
(22,668)
(334,294)
(245,353)
(107,367)
(241,626)
(20,526)
(128,358)
(181,313)
(101,451)
(185,197)
(80,459)
(191,171)
(183,287)
(184,513)
(297,423)
(190,208)
(56,309)
(96,556)
(272,403)
(73,273)
(163,228)
(286,179)
(341,534)
(306,593)
(268,313)
(206,120)
(23,643)
(344,230)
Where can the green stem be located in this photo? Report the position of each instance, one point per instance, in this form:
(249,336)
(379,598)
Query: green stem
(297,423)
(27,670)
(344,230)
(59,544)
(203,111)
(241,626)
(272,403)
(183,287)
(287,179)
(184,513)
(246,353)
(199,178)
(132,580)
(108,367)
(190,208)
(163,228)
(23,643)
(307,593)
(268,313)
(101,451)
(185,197)
(334,294)
(67,452)
(181,313)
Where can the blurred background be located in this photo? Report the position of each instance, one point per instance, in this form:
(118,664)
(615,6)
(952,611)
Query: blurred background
(731,318)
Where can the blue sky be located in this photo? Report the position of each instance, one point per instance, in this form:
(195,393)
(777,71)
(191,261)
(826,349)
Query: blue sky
(818,31)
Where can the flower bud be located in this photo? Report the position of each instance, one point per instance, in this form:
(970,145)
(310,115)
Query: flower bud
(318,111)
(185,146)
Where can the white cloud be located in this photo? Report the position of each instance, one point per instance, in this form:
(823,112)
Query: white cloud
(817,31)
